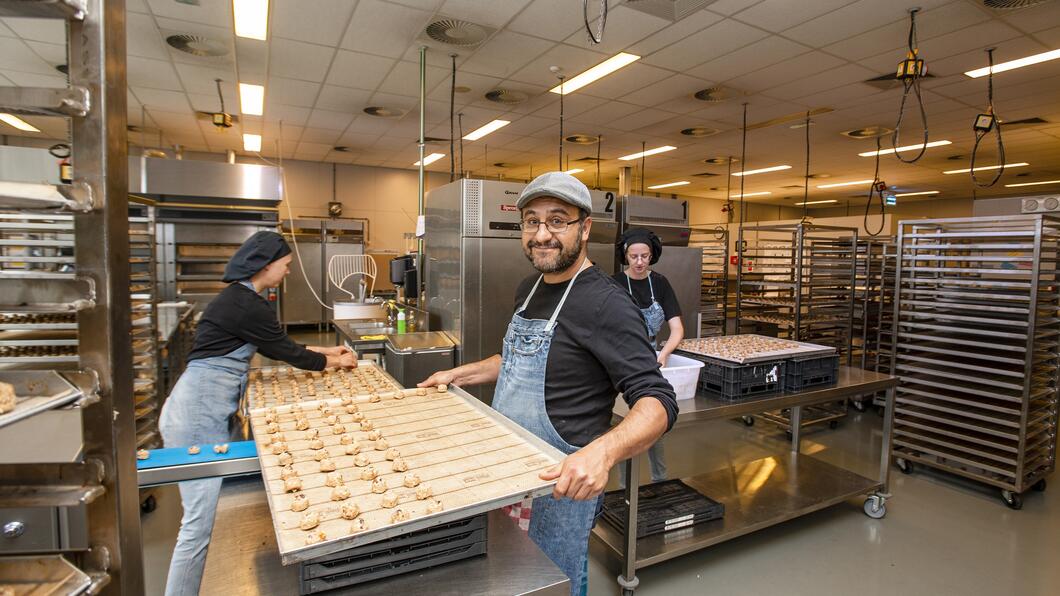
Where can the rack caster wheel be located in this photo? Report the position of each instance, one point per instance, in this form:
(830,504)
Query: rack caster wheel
(748,421)
(875,507)
(905,466)
(1012,500)
(1039,486)
(833,424)
(148,505)
(858,405)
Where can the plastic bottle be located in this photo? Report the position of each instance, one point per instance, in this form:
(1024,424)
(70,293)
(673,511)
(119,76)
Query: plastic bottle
(401,321)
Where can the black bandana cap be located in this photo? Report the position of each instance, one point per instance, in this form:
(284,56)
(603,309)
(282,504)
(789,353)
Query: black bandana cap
(258,251)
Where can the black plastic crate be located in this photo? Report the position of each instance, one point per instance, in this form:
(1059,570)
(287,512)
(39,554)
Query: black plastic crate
(811,372)
(415,551)
(732,381)
(662,507)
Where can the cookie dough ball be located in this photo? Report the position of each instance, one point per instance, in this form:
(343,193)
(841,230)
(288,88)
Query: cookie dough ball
(277,448)
(333,479)
(399,515)
(220,449)
(326,465)
(142,454)
(301,424)
(367,425)
(312,433)
(272,427)
(349,511)
(331,419)
(412,480)
(277,438)
(361,460)
(346,401)
(442,388)
(355,415)
(358,525)
(316,444)
(292,484)
(338,429)
(347,440)
(390,500)
(300,502)
(382,445)
(320,455)
(375,435)
(353,449)
(286,459)
(315,538)
(374,399)
(421,391)
(369,473)
(340,493)
(392,454)
(424,491)
(434,506)
(379,486)
(287,472)
(399,465)
(194,450)
(399,395)
(351,409)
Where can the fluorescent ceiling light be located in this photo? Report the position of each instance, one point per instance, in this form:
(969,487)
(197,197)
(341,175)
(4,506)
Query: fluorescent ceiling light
(761,171)
(751,194)
(905,148)
(18,123)
(918,194)
(430,159)
(669,184)
(485,130)
(1012,64)
(980,169)
(817,202)
(574,171)
(1032,183)
(597,72)
(662,149)
(251,143)
(251,18)
(854,183)
(251,99)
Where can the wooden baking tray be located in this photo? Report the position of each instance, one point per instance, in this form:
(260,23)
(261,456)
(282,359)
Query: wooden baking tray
(473,458)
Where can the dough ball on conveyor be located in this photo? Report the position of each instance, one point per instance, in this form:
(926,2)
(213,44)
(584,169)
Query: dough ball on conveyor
(349,511)
(333,479)
(300,502)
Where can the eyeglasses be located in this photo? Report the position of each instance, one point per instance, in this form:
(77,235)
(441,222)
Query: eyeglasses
(554,225)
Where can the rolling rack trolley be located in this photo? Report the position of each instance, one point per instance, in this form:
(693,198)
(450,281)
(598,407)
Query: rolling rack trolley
(872,256)
(714,288)
(796,281)
(977,349)
(86,470)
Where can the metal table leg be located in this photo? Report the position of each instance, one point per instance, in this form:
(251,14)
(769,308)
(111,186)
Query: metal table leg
(628,579)
(796,428)
(875,505)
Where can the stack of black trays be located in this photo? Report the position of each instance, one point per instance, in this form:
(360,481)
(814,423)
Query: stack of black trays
(416,551)
(662,507)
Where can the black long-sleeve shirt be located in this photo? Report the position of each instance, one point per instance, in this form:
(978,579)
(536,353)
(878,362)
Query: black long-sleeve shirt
(599,349)
(239,315)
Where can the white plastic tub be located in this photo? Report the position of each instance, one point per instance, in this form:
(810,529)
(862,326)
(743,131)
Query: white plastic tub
(683,374)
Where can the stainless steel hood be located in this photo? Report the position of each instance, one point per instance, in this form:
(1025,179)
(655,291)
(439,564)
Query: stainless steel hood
(186,178)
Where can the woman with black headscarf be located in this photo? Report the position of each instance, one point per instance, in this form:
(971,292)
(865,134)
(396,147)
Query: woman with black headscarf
(235,325)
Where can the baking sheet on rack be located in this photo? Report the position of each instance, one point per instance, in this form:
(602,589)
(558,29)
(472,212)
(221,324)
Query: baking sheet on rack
(472,458)
(47,574)
(788,349)
(35,392)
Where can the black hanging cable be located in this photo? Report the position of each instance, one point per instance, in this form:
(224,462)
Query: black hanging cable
(219,94)
(806,175)
(599,36)
(561,77)
(460,130)
(728,190)
(983,124)
(875,189)
(910,71)
(643,145)
(452,108)
(743,162)
(599,141)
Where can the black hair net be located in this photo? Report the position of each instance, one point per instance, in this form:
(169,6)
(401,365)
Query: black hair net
(258,251)
(639,236)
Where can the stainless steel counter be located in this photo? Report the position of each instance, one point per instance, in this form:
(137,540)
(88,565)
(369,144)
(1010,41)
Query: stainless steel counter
(244,560)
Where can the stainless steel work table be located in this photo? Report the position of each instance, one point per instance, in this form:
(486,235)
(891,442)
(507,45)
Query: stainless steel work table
(761,493)
(243,558)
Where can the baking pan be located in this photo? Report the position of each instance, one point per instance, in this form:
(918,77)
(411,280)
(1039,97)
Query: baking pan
(37,391)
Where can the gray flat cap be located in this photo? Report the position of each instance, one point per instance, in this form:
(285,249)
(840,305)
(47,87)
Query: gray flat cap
(559,185)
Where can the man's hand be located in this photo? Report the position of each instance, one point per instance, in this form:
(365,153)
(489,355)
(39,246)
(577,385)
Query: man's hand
(335,351)
(582,475)
(442,377)
(345,360)
(662,358)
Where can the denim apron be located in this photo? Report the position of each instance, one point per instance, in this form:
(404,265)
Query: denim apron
(559,527)
(653,315)
(198,412)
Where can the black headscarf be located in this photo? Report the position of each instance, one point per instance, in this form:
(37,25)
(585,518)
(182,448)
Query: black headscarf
(639,236)
(258,251)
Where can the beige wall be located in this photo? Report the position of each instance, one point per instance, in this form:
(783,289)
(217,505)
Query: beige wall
(911,210)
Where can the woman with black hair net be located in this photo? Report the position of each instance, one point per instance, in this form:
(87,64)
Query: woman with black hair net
(235,325)
(638,249)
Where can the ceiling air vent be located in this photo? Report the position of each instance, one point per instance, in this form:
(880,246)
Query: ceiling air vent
(1011,4)
(383,112)
(672,10)
(1034,121)
(196,45)
(705,174)
(589,159)
(506,96)
(890,81)
(700,131)
(435,141)
(458,33)
(868,132)
(717,161)
(713,94)
(504,164)
(582,139)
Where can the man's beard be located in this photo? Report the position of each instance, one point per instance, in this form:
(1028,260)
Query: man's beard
(558,262)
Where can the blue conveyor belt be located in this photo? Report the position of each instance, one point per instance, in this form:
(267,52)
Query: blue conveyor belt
(179,456)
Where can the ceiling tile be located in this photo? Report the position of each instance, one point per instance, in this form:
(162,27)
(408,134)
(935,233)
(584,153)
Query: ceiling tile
(206,13)
(670,88)
(718,39)
(321,135)
(343,99)
(383,28)
(786,71)
(200,79)
(16,56)
(292,92)
(1033,19)
(605,114)
(370,125)
(29,79)
(5,31)
(778,15)
(478,84)
(142,37)
(624,28)
(760,54)
(292,115)
(158,99)
(491,14)
(570,59)
(505,54)
(404,79)
(853,19)
(551,19)
(299,60)
(730,7)
(52,53)
(845,75)
(46,30)
(362,71)
(320,21)
(337,121)
(633,77)
(152,74)
(689,25)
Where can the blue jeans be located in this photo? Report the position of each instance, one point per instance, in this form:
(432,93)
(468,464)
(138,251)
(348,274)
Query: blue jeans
(656,462)
(198,412)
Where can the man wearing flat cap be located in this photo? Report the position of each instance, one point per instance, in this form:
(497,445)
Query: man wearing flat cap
(574,341)
(235,325)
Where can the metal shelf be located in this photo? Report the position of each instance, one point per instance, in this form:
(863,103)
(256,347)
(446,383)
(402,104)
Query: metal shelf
(714,280)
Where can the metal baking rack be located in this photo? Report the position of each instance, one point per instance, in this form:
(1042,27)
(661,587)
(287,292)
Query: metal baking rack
(143,295)
(978,349)
(796,281)
(71,257)
(714,285)
(875,265)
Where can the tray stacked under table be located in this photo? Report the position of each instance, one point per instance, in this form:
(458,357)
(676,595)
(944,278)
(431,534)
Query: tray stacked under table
(351,470)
